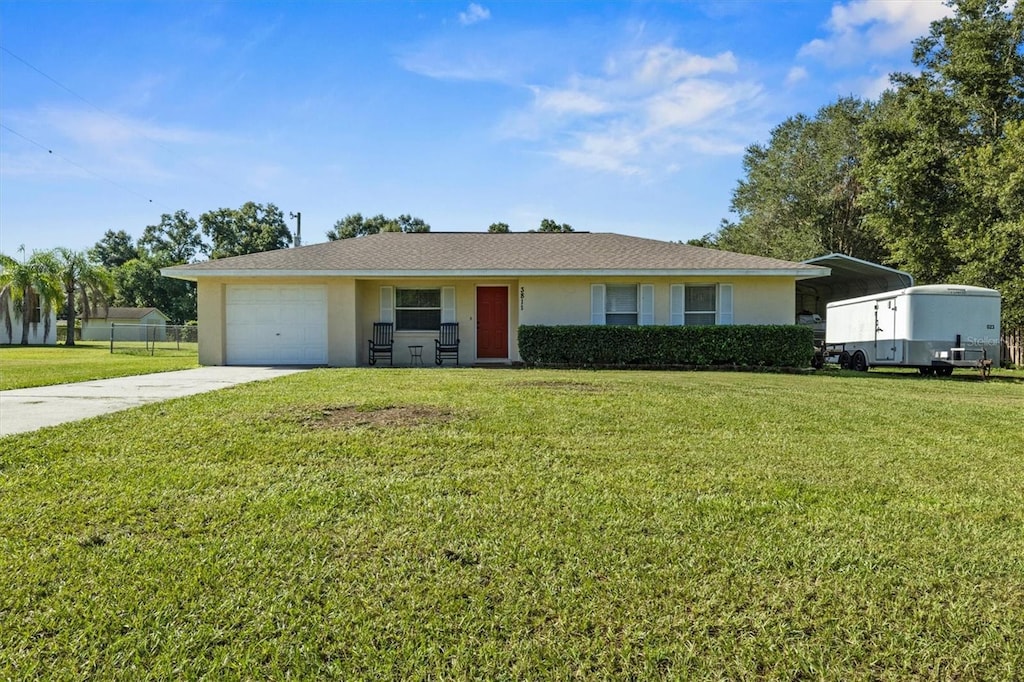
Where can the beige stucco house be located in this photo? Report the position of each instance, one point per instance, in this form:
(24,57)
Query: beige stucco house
(316,305)
(130,321)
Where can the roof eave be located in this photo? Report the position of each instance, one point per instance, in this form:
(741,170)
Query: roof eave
(798,273)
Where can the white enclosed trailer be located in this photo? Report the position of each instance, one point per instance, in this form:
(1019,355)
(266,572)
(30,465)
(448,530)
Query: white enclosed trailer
(933,328)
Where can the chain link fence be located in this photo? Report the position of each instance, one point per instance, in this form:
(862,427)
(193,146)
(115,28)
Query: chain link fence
(153,339)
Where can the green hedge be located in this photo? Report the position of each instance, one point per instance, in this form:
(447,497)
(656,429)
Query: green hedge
(741,345)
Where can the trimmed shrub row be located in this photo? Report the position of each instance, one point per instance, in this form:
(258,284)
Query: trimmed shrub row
(592,345)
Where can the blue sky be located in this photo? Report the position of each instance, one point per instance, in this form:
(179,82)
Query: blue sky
(627,117)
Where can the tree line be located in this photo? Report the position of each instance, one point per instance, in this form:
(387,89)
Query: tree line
(355,225)
(928,178)
(121,271)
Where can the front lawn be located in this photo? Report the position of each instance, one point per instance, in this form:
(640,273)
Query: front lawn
(29,366)
(480,524)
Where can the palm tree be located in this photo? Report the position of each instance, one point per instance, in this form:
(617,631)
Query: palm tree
(85,285)
(24,286)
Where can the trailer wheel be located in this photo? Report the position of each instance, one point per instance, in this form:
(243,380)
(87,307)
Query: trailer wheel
(943,371)
(844,360)
(859,362)
(926,371)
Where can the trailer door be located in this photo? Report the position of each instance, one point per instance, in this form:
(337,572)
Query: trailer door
(885,330)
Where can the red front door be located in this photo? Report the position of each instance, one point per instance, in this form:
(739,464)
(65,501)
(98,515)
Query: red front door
(492,322)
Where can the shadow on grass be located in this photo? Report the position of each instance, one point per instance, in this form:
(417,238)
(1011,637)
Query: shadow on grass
(959,375)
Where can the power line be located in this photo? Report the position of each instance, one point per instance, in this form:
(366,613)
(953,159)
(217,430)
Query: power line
(57,83)
(119,121)
(60,85)
(78,165)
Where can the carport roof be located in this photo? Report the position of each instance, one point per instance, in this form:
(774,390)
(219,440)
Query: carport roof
(400,254)
(851,277)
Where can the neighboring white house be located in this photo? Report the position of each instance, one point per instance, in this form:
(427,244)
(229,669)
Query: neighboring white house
(316,305)
(128,325)
(40,331)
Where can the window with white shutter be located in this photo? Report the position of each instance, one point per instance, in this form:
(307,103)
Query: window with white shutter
(646,304)
(699,304)
(620,304)
(448,304)
(387,304)
(596,304)
(676,308)
(724,304)
(418,309)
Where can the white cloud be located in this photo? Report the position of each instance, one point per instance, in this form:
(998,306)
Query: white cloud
(495,59)
(795,75)
(569,101)
(473,14)
(85,142)
(695,101)
(645,109)
(102,130)
(867,86)
(716,145)
(608,151)
(863,28)
(663,64)
(632,111)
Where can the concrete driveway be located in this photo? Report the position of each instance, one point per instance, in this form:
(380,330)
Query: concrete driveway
(28,409)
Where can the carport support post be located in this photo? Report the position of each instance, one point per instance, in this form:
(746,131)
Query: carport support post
(111,338)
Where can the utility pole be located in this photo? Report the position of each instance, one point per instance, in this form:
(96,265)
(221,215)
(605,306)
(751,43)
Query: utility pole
(298,227)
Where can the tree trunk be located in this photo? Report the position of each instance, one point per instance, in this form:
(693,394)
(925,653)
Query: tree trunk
(69,310)
(26,308)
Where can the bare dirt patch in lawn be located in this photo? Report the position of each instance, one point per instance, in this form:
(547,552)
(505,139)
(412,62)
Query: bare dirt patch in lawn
(389,416)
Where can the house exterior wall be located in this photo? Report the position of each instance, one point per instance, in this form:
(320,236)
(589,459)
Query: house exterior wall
(368,302)
(764,300)
(563,300)
(353,305)
(343,314)
(98,329)
(35,331)
(210,313)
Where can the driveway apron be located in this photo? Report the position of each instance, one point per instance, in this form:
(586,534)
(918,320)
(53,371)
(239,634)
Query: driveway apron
(28,409)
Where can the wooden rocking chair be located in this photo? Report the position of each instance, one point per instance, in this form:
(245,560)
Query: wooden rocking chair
(447,346)
(382,342)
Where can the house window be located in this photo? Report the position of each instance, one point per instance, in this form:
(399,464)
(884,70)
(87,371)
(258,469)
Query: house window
(625,304)
(700,305)
(620,304)
(34,305)
(417,309)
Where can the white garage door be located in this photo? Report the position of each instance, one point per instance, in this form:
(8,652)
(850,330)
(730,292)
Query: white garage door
(276,325)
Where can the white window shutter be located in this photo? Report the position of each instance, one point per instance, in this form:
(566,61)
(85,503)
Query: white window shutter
(676,316)
(724,304)
(646,304)
(448,304)
(596,304)
(387,304)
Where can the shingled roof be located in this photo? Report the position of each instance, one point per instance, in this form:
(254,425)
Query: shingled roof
(113,313)
(399,254)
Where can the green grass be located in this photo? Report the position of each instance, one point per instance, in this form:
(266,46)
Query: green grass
(29,366)
(480,524)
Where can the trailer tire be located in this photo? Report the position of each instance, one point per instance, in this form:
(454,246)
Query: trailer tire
(926,371)
(859,362)
(844,360)
(943,371)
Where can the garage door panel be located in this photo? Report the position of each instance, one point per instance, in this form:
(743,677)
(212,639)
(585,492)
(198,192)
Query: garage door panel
(276,325)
